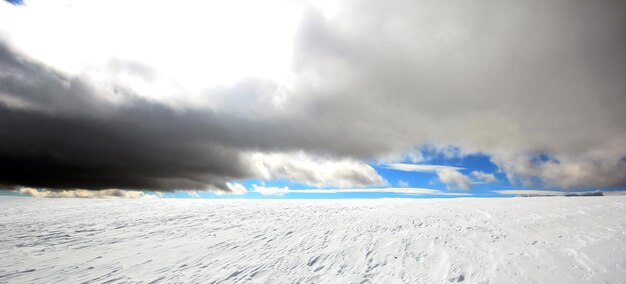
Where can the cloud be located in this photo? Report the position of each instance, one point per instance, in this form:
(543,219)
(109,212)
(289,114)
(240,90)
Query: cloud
(430,73)
(71,136)
(420,168)
(138,144)
(236,188)
(402,190)
(484,177)
(346,87)
(527,191)
(270,190)
(82,193)
(454,179)
(596,169)
(446,174)
(315,171)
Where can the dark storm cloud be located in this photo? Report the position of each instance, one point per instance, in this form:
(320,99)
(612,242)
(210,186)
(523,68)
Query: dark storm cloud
(59,134)
(60,131)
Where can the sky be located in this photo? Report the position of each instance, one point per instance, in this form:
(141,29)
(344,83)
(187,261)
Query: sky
(311,99)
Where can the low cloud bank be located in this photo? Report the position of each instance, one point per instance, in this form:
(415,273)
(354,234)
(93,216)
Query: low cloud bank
(399,190)
(83,193)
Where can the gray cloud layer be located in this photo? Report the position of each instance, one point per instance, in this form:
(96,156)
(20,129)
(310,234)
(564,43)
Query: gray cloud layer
(63,132)
(508,79)
(59,133)
(512,80)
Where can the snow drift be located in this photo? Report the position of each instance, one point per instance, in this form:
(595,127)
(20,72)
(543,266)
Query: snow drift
(516,240)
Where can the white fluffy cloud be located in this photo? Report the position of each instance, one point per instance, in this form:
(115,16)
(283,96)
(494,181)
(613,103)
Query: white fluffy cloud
(236,188)
(454,179)
(270,190)
(311,170)
(215,42)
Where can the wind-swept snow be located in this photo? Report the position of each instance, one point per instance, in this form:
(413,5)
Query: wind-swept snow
(547,240)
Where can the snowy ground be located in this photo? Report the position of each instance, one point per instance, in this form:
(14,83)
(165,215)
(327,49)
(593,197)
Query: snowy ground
(517,240)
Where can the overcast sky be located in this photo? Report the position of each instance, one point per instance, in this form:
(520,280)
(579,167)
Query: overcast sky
(280,97)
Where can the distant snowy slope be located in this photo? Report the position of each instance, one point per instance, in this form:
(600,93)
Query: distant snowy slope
(515,240)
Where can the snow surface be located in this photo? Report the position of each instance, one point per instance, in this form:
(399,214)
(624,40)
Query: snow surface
(515,240)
